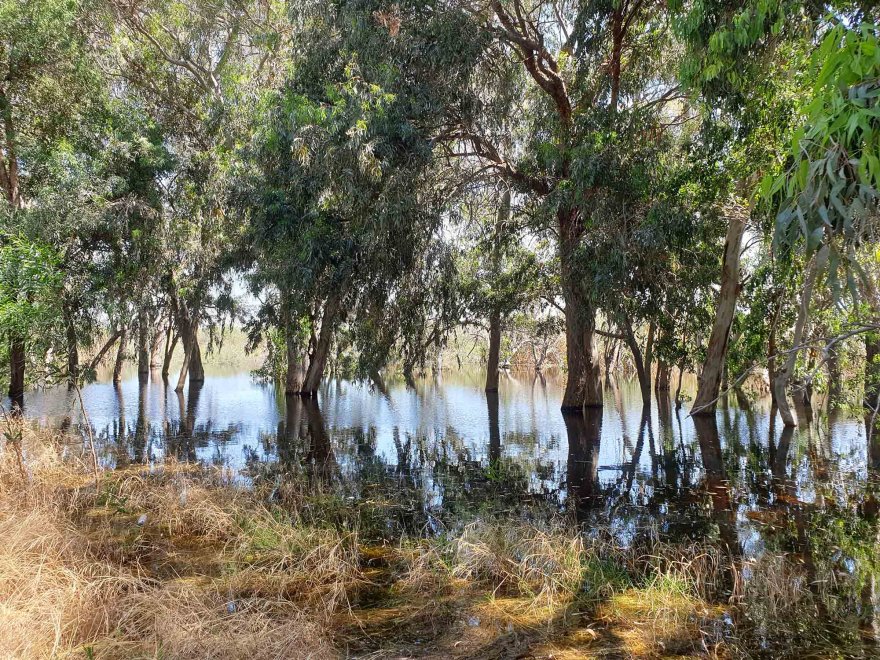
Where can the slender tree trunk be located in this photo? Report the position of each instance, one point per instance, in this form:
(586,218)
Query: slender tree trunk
(780,385)
(716,354)
(871,399)
(494,352)
(678,387)
(664,373)
(143,345)
(771,350)
(16,372)
(502,219)
(106,347)
(187,357)
(169,354)
(318,357)
(120,355)
(72,348)
(642,370)
(649,352)
(494,427)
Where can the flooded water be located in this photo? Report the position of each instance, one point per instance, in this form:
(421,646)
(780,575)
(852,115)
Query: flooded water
(443,450)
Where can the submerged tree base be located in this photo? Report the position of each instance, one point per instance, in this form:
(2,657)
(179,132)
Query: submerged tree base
(180,561)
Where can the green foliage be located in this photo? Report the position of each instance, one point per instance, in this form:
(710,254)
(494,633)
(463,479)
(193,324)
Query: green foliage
(30,293)
(829,193)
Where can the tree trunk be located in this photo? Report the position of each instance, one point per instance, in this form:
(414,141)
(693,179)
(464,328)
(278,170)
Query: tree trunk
(771,351)
(155,342)
(318,357)
(184,366)
(716,354)
(871,399)
(16,372)
(610,358)
(106,347)
(72,348)
(678,387)
(494,352)
(664,372)
(169,354)
(649,352)
(196,367)
(296,367)
(494,428)
(192,355)
(143,344)
(120,355)
(642,370)
(780,385)
(583,387)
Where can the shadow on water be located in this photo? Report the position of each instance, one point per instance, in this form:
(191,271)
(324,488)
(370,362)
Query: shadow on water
(426,456)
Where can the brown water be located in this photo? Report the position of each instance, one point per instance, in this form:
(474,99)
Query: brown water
(444,452)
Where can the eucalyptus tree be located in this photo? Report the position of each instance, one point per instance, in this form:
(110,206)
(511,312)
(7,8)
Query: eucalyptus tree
(47,83)
(196,66)
(829,191)
(342,178)
(745,60)
(587,69)
(500,274)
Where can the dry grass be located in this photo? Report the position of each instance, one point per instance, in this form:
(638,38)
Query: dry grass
(174,564)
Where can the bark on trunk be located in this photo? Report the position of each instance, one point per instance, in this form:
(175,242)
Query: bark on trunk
(318,357)
(16,372)
(155,342)
(494,352)
(72,348)
(834,376)
(716,354)
(296,367)
(871,399)
(143,347)
(106,347)
(678,387)
(664,371)
(780,385)
(120,355)
(771,351)
(196,367)
(169,354)
(494,428)
(583,387)
(642,370)
(184,366)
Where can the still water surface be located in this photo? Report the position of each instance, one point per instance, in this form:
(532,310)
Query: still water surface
(659,461)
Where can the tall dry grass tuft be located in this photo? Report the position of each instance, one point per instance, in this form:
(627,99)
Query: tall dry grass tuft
(544,563)
(191,622)
(54,595)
